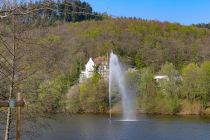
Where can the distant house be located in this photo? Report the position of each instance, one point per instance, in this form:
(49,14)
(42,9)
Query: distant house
(162,80)
(99,64)
(159,78)
(132,70)
(88,72)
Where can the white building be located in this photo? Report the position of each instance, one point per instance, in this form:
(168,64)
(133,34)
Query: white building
(101,63)
(159,78)
(88,72)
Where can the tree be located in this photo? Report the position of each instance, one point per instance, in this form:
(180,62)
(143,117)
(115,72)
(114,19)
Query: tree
(138,61)
(147,83)
(14,61)
(192,82)
(170,87)
(94,95)
(205,82)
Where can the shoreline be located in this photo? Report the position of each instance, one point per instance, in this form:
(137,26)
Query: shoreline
(138,113)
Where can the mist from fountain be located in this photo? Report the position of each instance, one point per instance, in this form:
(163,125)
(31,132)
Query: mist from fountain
(117,75)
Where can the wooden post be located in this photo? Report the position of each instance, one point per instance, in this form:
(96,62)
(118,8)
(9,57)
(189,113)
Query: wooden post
(18,104)
(6,137)
(18,110)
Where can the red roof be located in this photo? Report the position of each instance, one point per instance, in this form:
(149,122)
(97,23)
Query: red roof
(100,59)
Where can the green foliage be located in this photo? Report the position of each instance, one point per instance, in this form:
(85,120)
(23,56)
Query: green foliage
(50,39)
(166,105)
(93,33)
(160,104)
(191,81)
(96,77)
(182,92)
(138,62)
(147,83)
(205,82)
(94,96)
(205,69)
(170,87)
(67,11)
(51,93)
(146,45)
(196,82)
(169,69)
(72,101)
(153,100)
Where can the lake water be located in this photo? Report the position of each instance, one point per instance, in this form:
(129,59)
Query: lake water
(98,127)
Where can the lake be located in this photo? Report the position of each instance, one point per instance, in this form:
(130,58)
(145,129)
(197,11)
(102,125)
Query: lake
(98,127)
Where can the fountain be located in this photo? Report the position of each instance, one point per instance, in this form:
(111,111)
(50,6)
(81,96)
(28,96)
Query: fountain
(116,74)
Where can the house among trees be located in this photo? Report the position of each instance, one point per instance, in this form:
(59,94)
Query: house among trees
(89,70)
(99,65)
(164,81)
(159,78)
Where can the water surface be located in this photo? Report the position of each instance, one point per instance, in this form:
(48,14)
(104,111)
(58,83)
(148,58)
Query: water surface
(98,127)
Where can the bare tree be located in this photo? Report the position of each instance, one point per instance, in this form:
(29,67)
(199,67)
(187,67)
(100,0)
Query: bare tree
(15,43)
(12,52)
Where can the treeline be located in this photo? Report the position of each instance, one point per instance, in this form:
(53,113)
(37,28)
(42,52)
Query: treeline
(138,43)
(185,92)
(147,46)
(57,54)
(46,12)
(203,25)
(142,43)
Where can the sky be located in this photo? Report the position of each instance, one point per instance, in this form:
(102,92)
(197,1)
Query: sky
(182,11)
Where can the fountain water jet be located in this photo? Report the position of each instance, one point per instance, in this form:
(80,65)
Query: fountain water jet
(118,75)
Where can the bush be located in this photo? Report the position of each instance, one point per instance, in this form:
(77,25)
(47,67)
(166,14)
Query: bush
(94,95)
(160,105)
(50,93)
(72,102)
(190,108)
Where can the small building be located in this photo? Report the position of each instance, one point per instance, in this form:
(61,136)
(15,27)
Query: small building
(99,64)
(132,70)
(88,72)
(159,78)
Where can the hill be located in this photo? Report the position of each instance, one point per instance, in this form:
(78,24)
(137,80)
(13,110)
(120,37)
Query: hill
(58,53)
(152,42)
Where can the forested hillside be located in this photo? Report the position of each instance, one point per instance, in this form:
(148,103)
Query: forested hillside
(153,48)
(203,25)
(63,51)
(151,42)
(52,56)
(45,44)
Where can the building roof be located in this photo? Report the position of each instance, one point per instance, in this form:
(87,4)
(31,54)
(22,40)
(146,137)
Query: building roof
(99,60)
(90,61)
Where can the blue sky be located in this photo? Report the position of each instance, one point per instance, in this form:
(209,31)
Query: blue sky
(182,11)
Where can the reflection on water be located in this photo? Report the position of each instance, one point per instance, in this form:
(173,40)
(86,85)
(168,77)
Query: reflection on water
(98,127)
